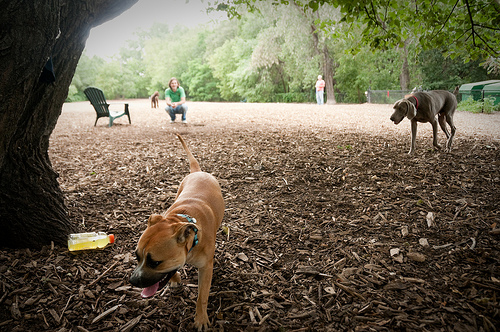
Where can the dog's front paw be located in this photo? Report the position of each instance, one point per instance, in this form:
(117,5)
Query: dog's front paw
(201,322)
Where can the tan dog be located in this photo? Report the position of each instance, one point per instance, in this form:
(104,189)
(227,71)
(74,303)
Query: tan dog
(154,99)
(185,233)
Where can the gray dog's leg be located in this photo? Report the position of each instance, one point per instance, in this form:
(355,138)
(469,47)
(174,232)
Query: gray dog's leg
(413,136)
(443,119)
(435,134)
(442,123)
(449,119)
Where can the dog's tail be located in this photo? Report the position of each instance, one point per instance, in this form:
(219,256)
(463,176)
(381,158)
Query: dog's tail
(193,163)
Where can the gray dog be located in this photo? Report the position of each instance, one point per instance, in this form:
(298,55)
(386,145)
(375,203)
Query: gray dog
(423,107)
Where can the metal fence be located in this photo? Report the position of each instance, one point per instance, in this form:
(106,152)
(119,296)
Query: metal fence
(372,96)
(390,96)
(385,96)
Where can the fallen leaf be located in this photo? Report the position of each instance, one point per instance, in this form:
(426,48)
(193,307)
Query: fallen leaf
(423,242)
(495,231)
(430,219)
(242,256)
(415,256)
(329,290)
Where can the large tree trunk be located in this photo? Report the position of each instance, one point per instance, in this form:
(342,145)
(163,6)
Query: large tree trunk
(328,70)
(327,66)
(404,77)
(32,209)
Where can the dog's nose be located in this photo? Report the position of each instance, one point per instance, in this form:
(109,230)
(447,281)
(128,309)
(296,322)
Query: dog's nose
(135,279)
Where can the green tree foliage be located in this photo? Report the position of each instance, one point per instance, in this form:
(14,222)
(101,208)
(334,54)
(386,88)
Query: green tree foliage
(223,63)
(86,72)
(365,69)
(134,69)
(374,70)
(122,76)
(274,53)
(285,51)
(201,82)
(161,55)
(439,72)
(468,29)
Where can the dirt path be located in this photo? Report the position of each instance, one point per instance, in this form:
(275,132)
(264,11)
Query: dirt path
(371,118)
(330,225)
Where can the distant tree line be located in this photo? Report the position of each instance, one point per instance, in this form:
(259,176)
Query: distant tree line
(272,54)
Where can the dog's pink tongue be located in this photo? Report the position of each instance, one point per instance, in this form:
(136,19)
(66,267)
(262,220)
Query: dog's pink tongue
(150,291)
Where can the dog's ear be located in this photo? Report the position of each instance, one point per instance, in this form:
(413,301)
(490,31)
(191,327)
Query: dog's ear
(185,231)
(153,219)
(412,110)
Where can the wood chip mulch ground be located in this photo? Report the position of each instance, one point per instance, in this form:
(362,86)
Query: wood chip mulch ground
(329,224)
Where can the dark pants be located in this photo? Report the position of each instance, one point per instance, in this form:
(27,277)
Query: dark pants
(180,109)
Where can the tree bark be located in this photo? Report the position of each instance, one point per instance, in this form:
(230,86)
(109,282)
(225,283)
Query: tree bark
(404,77)
(32,208)
(329,84)
(327,66)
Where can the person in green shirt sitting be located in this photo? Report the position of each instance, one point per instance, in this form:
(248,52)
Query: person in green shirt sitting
(176,100)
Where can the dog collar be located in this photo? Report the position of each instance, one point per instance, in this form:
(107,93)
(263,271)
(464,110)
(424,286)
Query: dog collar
(193,221)
(416,102)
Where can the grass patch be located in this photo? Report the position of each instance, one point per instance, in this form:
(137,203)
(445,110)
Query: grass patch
(478,106)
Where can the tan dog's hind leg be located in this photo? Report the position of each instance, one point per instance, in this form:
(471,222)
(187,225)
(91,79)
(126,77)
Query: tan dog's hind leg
(204,283)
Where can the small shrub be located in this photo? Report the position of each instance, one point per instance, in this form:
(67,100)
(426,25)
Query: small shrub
(478,106)
(489,105)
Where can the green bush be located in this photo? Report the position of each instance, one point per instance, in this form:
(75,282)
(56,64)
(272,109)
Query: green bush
(74,95)
(478,106)
(489,105)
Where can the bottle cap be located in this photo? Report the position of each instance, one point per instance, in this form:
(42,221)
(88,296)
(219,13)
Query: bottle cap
(111,238)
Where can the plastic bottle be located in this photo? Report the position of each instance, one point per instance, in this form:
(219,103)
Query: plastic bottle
(93,240)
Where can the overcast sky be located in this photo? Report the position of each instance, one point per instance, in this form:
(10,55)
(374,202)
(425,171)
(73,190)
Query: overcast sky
(105,40)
